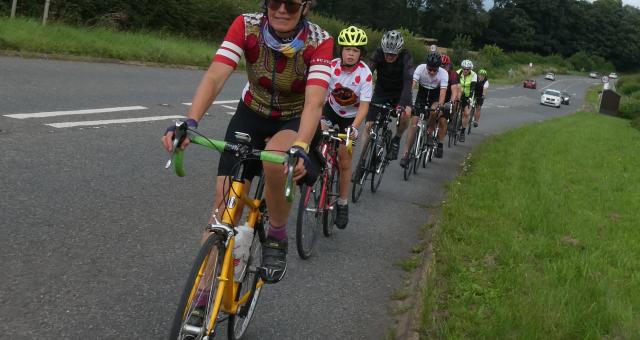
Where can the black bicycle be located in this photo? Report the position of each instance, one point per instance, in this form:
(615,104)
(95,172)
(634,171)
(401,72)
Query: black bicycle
(422,148)
(455,123)
(373,160)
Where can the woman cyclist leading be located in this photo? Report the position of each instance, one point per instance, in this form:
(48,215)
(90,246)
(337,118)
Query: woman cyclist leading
(288,63)
(350,92)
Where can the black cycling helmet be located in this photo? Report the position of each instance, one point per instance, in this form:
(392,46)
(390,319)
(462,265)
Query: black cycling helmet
(434,60)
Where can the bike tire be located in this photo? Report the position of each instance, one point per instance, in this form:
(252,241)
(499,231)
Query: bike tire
(237,325)
(417,151)
(331,198)
(309,219)
(358,183)
(210,259)
(381,162)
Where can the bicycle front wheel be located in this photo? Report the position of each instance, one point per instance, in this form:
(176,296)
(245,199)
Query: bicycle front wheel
(238,323)
(309,219)
(332,192)
(360,174)
(418,153)
(197,302)
(380,165)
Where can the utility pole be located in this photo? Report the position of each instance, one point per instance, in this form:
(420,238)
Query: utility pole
(46,12)
(13,8)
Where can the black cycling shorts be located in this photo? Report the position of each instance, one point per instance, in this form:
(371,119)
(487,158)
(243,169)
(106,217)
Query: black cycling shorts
(425,97)
(334,118)
(259,128)
(479,101)
(465,101)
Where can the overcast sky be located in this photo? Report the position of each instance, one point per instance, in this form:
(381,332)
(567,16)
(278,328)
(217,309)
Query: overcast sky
(489,3)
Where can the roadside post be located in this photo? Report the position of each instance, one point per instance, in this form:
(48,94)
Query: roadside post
(13,8)
(46,12)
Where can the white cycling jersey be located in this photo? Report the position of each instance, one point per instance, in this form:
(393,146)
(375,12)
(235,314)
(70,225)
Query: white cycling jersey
(348,89)
(428,81)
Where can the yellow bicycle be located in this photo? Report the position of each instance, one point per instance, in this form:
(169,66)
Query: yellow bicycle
(211,294)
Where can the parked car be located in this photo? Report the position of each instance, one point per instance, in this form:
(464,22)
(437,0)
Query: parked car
(551,98)
(529,83)
(594,75)
(550,76)
(613,75)
(565,97)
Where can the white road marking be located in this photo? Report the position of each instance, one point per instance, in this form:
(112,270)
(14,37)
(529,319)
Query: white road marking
(229,107)
(219,102)
(76,112)
(231,113)
(112,121)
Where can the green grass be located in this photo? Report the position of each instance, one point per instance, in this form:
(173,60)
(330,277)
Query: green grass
(29,36)
(539,238)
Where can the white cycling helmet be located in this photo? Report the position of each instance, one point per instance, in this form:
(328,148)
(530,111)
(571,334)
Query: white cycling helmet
(467,64)
(392,42)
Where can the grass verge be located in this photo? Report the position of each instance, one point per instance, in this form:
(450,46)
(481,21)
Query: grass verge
(27,35)
(546,244)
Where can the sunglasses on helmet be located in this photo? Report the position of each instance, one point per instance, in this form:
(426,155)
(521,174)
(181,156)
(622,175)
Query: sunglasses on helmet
(290,6)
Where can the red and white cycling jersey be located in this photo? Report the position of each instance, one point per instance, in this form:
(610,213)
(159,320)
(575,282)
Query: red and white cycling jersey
(348,89)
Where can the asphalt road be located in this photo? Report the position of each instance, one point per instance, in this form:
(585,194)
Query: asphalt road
(97,237)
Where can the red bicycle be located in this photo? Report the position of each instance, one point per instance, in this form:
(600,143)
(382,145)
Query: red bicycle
(317,202)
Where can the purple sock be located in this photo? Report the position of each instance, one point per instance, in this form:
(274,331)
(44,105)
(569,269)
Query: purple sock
(278,233)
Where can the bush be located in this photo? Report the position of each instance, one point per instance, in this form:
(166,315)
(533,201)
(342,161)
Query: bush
(629,107)
(461,46)
(491,56)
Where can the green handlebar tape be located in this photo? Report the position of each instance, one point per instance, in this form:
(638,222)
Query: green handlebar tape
(177,163)
(210,143)
(272,157)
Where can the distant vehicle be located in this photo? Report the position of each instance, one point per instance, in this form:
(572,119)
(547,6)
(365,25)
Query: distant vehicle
(529,83)
(613,75)
(565,97)
(594,75)
(551,98)
(550,76)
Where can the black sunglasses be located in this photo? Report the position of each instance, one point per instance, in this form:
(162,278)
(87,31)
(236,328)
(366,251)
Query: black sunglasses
(432,69)
(290,6)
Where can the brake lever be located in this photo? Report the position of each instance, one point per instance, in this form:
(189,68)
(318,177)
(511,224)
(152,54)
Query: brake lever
(179,135)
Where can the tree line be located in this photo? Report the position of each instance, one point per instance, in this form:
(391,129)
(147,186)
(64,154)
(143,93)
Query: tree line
(604,29)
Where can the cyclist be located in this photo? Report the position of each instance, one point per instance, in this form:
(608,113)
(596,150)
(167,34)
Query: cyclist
(287,62)
(468,80)
(432,82)
(482,87)
(393,65)
(350,91)
(452,98)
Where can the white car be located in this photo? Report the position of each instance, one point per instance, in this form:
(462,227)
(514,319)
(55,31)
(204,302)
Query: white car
(594,75)
(613,75)
(550,76)
(551,98)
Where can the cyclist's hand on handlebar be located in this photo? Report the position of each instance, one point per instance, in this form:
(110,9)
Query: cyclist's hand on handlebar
(303,162)
(170,132)
(353,132)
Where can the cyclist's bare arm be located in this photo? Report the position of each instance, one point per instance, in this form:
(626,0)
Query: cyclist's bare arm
(313,102)
(443,95)
(209,88)
(363,109)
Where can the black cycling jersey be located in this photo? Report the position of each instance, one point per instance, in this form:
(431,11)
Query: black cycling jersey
(480,87)
(393,79)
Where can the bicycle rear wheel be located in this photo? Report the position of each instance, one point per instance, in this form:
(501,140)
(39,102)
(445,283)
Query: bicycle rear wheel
(198,297)
(360,173)
(331,197)
(408,166)
(239,322)
(309,219)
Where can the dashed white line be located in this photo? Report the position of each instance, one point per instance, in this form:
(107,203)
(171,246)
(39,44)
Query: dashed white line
(112,121)
(229,107)
(76,112)
(219,102)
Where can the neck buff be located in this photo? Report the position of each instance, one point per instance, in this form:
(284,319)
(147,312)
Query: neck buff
(288,46)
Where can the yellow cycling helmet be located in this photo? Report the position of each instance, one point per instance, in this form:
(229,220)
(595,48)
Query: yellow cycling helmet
(352,36)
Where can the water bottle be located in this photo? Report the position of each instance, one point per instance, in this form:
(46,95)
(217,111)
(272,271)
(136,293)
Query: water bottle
(241,247)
